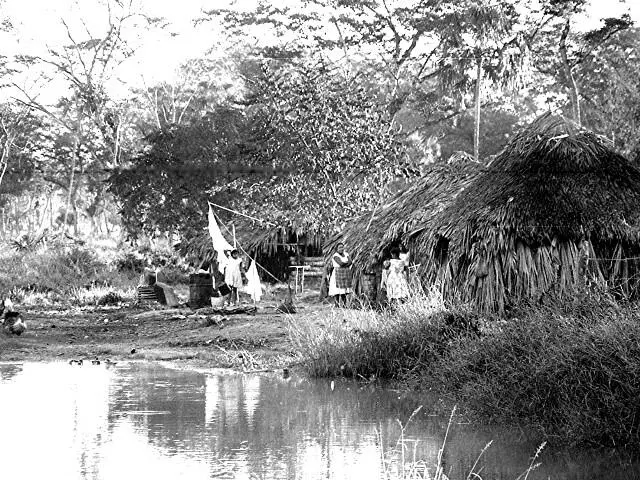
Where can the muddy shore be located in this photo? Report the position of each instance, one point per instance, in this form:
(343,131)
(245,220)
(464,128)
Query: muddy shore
(203,337)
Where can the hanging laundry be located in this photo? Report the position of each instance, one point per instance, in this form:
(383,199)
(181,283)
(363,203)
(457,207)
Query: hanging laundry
(253,286)
(219,242)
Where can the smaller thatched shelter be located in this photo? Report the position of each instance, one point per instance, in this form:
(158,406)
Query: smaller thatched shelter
(272,246)
(558,207)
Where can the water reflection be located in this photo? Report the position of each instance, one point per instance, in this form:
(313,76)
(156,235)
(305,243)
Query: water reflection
(147,421)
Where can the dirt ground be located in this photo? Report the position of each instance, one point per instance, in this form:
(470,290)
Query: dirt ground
(249,342)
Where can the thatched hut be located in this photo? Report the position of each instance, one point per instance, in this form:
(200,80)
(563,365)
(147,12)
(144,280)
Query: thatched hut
(370,237)
(556,208)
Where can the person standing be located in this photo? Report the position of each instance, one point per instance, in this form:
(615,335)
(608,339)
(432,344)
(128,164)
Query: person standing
(233,276)
(397,285)
(341,276)
(382,292)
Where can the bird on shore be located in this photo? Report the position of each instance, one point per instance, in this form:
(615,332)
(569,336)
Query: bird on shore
(95,361)
(73,361)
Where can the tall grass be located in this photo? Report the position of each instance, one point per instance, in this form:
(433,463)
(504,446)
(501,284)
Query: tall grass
(48,270)
(572,369)
(401,462)
(365,343)
(70,275)
(81,275)
(575,377)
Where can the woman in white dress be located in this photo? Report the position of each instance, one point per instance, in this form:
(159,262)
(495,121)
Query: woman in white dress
(340,280)
(397,285)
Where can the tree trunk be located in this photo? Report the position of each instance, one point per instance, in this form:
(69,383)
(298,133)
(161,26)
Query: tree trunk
(571,81)
(75,217)
(476,130)
(29,216)
(4,158)
(43,217)
(76,143)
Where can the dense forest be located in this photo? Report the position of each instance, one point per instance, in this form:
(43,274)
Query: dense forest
(303,113)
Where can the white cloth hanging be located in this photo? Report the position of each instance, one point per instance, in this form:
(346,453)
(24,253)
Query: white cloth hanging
(220,244)
(253,286)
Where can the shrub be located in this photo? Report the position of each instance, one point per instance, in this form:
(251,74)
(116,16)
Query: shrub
(110,298)
(574,377)
(171,265)
(51,271)
(130,262)
(100,296)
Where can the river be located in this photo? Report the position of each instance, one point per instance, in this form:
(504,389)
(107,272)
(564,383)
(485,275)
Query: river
(151,421)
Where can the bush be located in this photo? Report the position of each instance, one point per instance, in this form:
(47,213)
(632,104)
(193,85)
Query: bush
(130,262)
(49,270)
(110,298)
(56,274)
(574,377)
(100,296)
(170,264)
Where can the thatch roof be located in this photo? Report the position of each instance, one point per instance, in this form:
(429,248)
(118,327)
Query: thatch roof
(254,237)
(520,225)
(369,236)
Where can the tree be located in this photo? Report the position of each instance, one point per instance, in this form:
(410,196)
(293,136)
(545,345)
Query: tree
(390,44)
(201,84)
(495,132)
(610,90)
(303,148)
(483,39)
(166,186)
(339,145)
(403,50)
(90,124)
(553,30)
(10,124)
(17,166)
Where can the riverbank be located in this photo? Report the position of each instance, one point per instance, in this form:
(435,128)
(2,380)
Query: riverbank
(202,337)
(568,369)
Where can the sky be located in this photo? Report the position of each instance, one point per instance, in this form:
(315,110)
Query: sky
(159,53)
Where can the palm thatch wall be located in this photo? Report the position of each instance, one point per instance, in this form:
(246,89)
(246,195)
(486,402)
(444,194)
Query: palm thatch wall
(369,237)
(556,208)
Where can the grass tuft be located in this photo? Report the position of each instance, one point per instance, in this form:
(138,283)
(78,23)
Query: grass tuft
(368,344)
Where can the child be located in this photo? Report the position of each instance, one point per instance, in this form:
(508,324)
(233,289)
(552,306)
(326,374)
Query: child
(397,284)
(233,276)
(383,282)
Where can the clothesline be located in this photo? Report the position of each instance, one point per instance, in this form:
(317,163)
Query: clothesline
(242,249)
(242,214)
